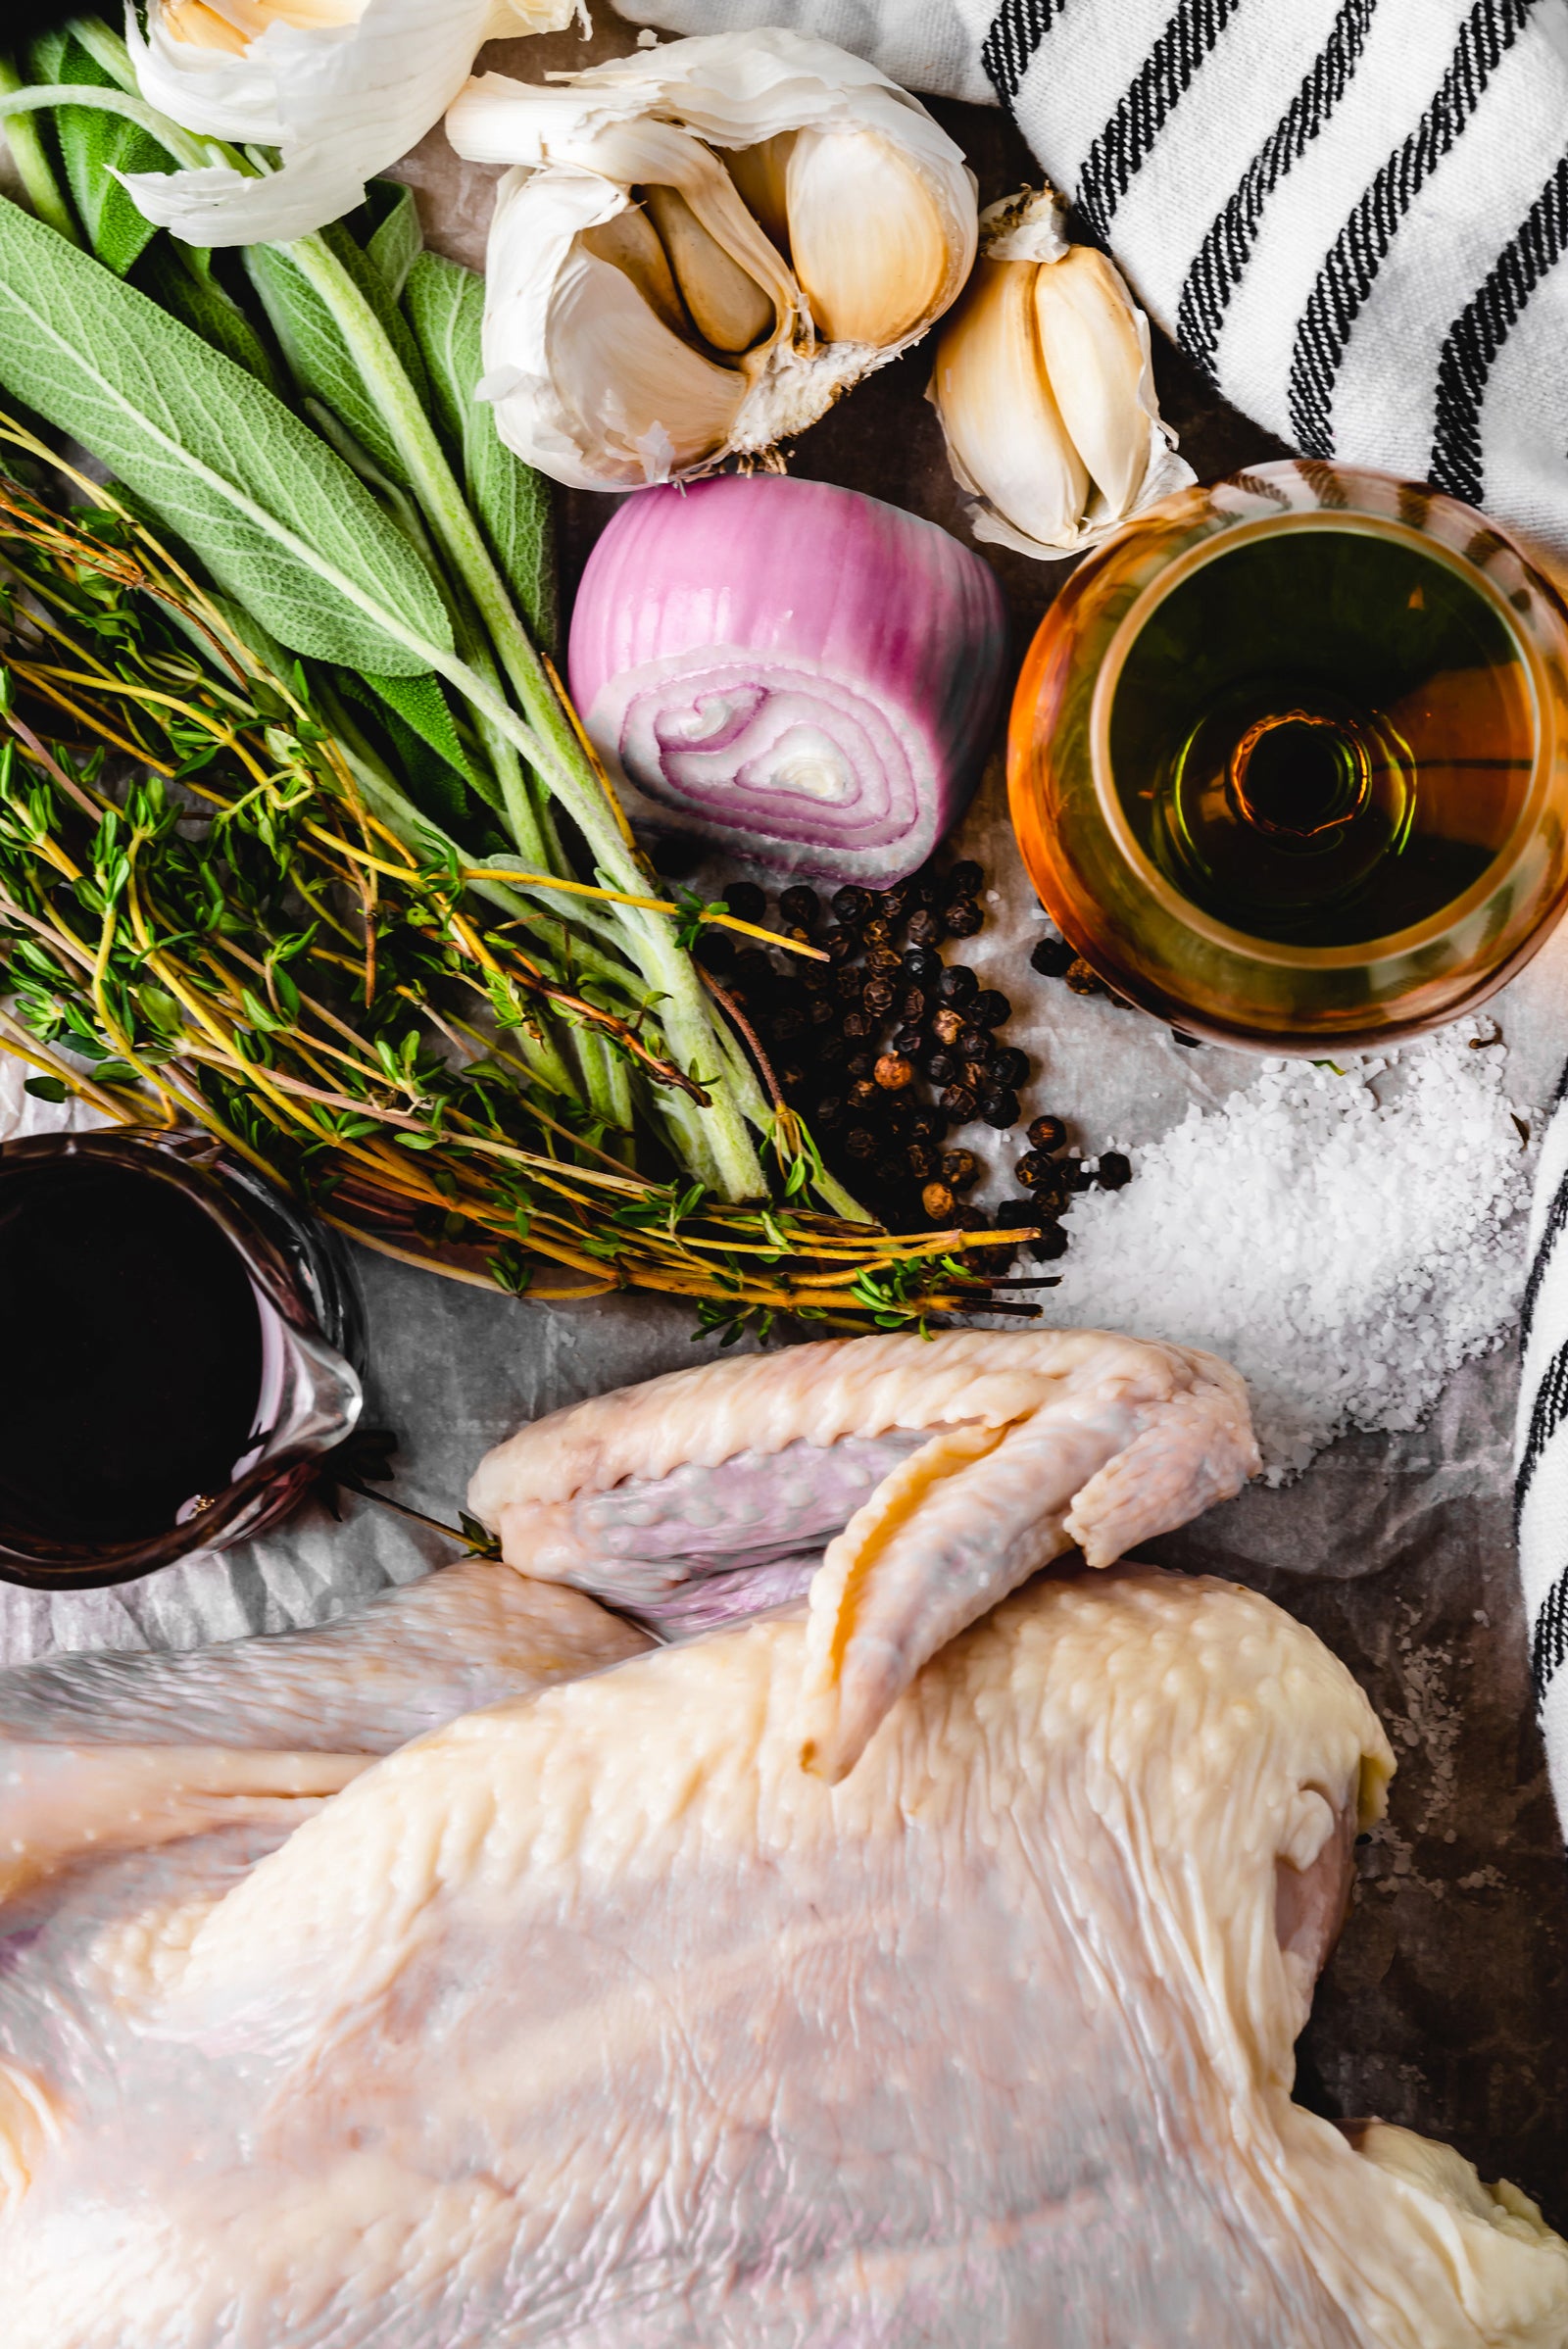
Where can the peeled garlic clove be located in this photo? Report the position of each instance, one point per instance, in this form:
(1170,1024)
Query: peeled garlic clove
(867,239)
(644,391)
(1095,358)
(631,242)
(1005,430)
(729,308)
(760,173)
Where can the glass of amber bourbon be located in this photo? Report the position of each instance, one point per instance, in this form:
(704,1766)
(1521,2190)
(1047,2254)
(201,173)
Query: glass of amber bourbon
(1289,758)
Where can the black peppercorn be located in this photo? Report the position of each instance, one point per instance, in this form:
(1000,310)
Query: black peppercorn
(925,928)
(859,1142)
(716,952)
(1075,1175)
(941,1066)
(877,932)
(675,854)
(878,994)
(919,1161)
(1053,957)
(962,879)
(999,1108)
(745,901)
(960,1103)
(785,1025)
(964,918)
(1017,1215)
(1009,1066)
(1051,1244)
(1037,1172)
(848,982)
(815,978)
(753,972)
(829,1113)
(862,1093)
(882,962)
(961,1168)
(839,945)
(1081,979)
(990,1008)
(791,1079)
(914,1005)
(926,1124)
(970,1219)
(921,964)
(948,1024)
(820,1014)
(1046,1133)
(856,1024)
(1115,1169)
(860,1063)
(799,905)
(888,1175)
(974,1043)
(851,904)
(895,902)
(908,1040)
(957,983)
(831,1052)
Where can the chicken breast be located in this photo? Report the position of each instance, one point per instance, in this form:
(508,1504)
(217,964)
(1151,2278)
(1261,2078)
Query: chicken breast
(948,1469)
(591,2020)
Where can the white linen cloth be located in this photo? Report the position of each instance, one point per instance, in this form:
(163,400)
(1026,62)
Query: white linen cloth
(1352,214)
(1541,1450)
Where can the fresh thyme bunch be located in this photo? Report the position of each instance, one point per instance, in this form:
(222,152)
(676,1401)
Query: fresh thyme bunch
(215,905)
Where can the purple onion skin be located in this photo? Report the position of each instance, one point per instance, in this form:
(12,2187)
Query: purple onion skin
(807,678)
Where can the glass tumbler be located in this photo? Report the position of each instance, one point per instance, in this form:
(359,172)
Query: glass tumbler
(1289,759)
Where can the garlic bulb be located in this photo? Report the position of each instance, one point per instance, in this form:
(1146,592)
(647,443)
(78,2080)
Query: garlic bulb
(341,88)
(1045,390)
(699,247)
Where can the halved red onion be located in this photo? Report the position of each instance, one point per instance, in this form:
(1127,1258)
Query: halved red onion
(803,676)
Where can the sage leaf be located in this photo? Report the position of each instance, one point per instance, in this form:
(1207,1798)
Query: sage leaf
(397,240)
(444,303)
(276,515)
(320,361)
(93,146)
(181,279)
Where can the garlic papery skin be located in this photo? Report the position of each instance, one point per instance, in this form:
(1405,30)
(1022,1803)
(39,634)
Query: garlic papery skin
(341,88)
(744,151)
(1045,387)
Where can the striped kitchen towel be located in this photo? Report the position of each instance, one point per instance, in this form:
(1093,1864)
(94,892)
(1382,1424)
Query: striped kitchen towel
(1541,1489)
(1351,213)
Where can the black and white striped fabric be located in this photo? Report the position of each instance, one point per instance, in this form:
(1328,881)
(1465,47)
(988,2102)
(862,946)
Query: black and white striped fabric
(1351,214)
(1541,1489)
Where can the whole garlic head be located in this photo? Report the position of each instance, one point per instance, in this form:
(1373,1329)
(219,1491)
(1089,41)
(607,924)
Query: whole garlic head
(1044,385)
(699,247)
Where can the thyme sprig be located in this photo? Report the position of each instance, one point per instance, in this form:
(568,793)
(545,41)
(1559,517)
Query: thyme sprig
(214,910)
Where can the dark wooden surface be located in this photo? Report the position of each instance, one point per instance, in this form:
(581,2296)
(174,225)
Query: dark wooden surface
(1446,2007)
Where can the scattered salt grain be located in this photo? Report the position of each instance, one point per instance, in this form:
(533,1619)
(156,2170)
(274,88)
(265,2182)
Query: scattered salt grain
(1345,1238)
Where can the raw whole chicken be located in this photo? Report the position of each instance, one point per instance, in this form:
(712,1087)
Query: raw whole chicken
(589,2018)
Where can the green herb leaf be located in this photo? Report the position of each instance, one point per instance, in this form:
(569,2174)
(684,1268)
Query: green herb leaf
(47,1089)
(93,146)
(319,359)
(397,240)
(181,278)
(277,519)
(444,303)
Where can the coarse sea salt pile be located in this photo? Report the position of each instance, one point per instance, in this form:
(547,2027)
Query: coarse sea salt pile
(1346,1240)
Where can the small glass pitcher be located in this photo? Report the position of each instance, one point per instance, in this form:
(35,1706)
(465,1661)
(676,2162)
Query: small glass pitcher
(310,1351)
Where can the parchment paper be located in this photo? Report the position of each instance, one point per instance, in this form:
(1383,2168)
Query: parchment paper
(1443,2006)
